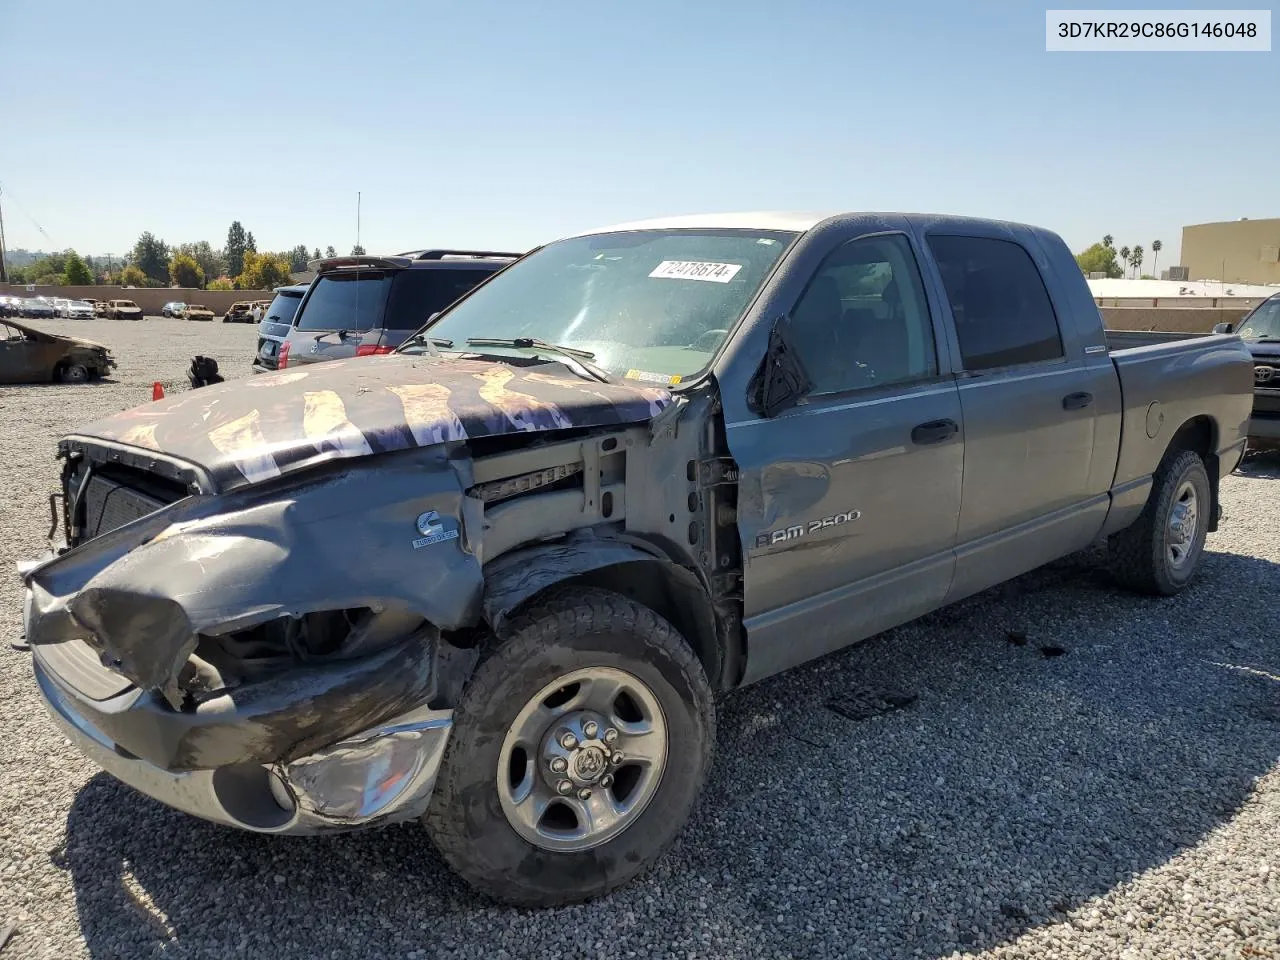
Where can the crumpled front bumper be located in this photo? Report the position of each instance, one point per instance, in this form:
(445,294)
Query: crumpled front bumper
(381,775)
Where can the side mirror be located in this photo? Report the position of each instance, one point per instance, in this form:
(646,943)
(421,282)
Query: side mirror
(782,379)
(1224,328)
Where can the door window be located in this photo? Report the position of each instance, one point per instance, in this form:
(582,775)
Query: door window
(1002,311)
(863,320)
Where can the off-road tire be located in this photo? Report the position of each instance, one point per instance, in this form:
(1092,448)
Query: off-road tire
(568,630)
(1139,554)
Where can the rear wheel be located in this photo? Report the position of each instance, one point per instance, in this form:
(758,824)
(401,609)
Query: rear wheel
(1160,553)
(579,749)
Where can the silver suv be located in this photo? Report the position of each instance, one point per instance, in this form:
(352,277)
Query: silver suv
(363,305)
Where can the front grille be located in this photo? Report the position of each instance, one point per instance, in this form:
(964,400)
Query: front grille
(110,505)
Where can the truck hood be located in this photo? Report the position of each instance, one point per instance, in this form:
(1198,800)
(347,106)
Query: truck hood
(1263,351)
(248,431)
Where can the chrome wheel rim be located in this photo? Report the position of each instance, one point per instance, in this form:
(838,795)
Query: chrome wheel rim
(1184,519)
(582,759)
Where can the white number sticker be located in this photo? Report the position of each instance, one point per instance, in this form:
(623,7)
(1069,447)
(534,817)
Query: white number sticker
(696,270)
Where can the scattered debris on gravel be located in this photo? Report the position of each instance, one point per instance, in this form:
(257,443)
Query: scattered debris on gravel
(1119,802)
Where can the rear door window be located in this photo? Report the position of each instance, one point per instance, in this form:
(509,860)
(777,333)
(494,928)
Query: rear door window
(417,294)
(1002,310)
(283,307)
(346,301)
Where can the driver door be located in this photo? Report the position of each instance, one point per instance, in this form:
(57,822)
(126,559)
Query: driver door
(849,500)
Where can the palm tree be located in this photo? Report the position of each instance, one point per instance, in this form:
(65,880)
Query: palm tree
(1124,258)
(1156,247)
(1136,259)
(1107,241)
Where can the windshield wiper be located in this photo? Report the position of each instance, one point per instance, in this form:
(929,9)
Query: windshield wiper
(576,360)
(428,341)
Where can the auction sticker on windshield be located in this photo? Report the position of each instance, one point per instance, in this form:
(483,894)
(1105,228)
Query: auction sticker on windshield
(696,270)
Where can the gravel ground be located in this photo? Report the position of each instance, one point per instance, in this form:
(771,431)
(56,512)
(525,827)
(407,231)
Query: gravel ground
(1119,799)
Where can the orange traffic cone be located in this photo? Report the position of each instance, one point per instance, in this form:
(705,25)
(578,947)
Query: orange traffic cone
(157,391)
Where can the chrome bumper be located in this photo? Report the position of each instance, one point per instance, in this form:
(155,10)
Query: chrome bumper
(381,775)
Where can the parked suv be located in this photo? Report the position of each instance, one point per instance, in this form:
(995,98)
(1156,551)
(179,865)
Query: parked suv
(172,309)
(275,325)
(364,305)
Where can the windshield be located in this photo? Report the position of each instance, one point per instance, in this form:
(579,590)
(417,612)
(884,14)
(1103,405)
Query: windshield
(346,301)
(1263,323)
(651,305)
(283,307)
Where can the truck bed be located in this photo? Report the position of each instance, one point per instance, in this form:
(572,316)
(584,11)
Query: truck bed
(1128,339)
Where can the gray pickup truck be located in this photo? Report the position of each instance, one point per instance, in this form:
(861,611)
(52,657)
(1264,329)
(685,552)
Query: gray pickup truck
(496,579)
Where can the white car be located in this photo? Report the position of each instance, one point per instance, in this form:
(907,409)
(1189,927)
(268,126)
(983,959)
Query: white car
(78,310)
(59,305)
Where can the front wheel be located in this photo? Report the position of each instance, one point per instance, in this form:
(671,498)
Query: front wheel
(1160,553)
(73,373)
(578,752)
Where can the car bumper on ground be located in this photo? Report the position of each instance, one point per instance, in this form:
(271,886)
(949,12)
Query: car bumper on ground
(380,775)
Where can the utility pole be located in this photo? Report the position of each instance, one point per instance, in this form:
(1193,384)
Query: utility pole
(4,271)
(357,218)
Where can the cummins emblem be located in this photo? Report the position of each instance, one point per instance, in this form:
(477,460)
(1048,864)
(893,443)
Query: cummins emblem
(434,529)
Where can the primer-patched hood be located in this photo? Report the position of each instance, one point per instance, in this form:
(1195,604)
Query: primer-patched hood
(251,430)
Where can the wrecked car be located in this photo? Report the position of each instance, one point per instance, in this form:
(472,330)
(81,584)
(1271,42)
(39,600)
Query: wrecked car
(33,356)
(494,580)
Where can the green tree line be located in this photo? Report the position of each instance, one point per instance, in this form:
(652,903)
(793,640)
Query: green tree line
(237,265)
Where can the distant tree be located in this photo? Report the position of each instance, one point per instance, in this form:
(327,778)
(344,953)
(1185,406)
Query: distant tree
(132,276)
(234,251)
(48,270)
(222,283)
(262,271)
(1156,247)
(185,272)
(1135,259)
(357,251)
(1099,258)
(151,256)
(1124,258)
(250,244)
(76,273)
(330,252)
(1108,241)
(316,254)
(209,260)
(298,258)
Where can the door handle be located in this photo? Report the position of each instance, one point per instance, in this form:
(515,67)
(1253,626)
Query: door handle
(935,431)
(1076,401)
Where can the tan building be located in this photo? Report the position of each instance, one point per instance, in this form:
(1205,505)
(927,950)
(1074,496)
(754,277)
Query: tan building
(1235,251)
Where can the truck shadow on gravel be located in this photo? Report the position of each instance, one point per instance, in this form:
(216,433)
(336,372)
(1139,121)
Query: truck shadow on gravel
(1014,788)
(1263,464)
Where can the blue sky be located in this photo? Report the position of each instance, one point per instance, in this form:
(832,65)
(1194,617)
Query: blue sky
(505,125)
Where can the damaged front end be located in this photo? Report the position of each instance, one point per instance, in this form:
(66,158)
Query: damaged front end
(283,657)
